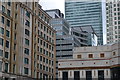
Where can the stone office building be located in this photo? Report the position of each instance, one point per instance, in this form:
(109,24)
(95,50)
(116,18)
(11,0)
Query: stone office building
(92,63)
(27,41)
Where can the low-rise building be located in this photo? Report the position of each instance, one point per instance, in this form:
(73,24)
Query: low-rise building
(91,63)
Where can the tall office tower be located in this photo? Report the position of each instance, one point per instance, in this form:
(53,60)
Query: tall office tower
(113,20)
(27,41)
(64,40)
(85,12)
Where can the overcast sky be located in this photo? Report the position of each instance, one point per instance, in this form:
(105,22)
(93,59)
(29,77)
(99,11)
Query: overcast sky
(52,4)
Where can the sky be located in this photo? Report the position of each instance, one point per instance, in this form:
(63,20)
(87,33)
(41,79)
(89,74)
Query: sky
(52,4)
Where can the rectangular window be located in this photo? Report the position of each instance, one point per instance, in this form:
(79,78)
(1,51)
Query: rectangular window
(7,33)
(52,63)
(14,46)
(14,68)
(44,44)
(8,12)
(65,76)
(14,57)
(27,23)
(44,28)
(3,20)
(101,75)
(44,51)
(26,41)
(0,66)
(7,44)
(40,66)
(8,23)
(26,70)
(52,55)
(1,41)
(43,67)
(28,14)
(114,53)
(40,58)
(88,75)
(76,75)
(26,51)
(27,32)
(6,67)
(90,55)
(1,30)
(41,50)
(41,42)
(49,69)
(1,52)
(46,61)
(46,68)
(43,59)
(47,53)
(15,15)
(9,3)
(79,56)
(102,55)
(52,34)
(3,9)
(6,55)
(15,36)
(26,60)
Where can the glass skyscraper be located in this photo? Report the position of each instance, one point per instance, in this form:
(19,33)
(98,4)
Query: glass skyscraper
(84,13)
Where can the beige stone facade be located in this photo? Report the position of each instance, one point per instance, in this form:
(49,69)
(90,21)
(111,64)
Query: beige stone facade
(27,41)
(98,62)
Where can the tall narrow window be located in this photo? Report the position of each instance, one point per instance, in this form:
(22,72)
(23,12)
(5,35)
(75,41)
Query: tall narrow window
(8,12)
(101,75)
(76,75)
(8,23)
(1,30)
(27,23)
(88,75)
(1,52)
(1,41)
(26,60)
(26,41)
(26,51)
(7,33)
(1,66)
(28,14)
(7,44)
(26,70)
(3,20)
(65,76)
(14,68)
(14,57)
(9,3)
(3,9)
(27,32)
(6,67)
(6,55)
